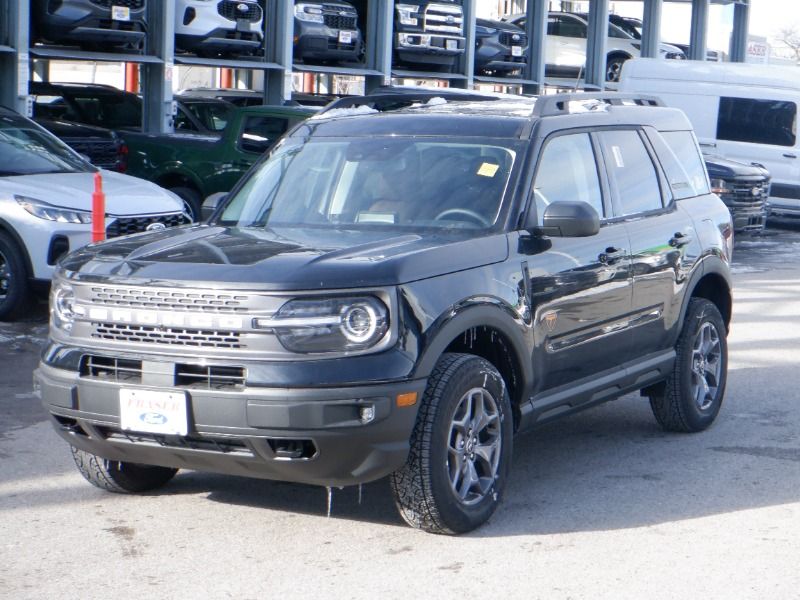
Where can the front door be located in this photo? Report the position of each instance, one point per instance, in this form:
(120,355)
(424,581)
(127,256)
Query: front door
(580,288)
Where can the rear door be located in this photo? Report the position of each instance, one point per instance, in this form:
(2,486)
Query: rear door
(662,236)
(580,288)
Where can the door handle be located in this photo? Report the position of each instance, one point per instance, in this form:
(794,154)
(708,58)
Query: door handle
(789,155)
(680,239)
(611,255)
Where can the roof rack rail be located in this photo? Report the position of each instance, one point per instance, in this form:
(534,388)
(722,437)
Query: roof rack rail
(390,98)
(559,104)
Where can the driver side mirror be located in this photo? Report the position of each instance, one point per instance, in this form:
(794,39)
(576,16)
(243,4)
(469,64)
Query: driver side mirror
(211,204)
(568,219)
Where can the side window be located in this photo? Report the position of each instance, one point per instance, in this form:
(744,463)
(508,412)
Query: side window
(771,122)
(260,133)
(631,172)
(682,162)
(182,122)
(566,27)
(567,172)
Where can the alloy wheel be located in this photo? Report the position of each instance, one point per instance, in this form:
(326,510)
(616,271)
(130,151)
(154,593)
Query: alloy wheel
(706,366)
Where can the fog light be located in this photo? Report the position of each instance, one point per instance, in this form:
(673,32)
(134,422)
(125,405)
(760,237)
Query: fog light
(366,414)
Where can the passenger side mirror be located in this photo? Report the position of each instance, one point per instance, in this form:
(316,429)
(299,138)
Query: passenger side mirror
(569,219)
(211,204)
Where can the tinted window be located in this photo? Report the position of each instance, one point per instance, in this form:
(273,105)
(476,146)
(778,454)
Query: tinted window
(566,27)
(182,122)
(757,121)
(682,162)
(567,172)
(213,115)
(112,111)
(631,172)
(261,132)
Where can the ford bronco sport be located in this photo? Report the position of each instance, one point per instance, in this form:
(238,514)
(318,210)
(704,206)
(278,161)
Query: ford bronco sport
(402,285)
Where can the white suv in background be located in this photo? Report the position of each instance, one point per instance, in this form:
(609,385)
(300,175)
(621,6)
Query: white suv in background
(565,47)
(213,27)
(45,207)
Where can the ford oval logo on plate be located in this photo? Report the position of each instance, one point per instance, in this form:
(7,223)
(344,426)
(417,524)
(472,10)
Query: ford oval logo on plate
(153,418)
(156,226)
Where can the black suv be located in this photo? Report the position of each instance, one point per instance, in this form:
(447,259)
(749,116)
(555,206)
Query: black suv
(398,288)
(91,23)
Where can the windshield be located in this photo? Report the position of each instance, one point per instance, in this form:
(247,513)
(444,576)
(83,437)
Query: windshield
(27,150)
(213,115)
(376,183)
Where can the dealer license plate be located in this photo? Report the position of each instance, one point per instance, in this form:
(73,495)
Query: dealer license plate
(147,411)
(120,13)
(345,37)
(516,50)
(452,45)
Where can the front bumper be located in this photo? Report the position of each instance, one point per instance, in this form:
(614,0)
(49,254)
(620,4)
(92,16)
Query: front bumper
(427,48)
(316,41)
(82,21)
(305,435)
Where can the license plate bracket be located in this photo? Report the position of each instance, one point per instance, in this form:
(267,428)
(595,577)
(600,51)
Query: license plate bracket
(345,37)
(120,13)
(149,411)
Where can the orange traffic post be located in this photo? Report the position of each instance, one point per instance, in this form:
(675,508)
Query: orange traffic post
(98,210)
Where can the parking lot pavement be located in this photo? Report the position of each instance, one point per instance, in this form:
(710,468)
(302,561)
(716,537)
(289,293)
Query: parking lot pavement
(602,505)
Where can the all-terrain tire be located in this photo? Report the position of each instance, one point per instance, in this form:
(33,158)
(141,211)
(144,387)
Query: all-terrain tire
(683,403)
(15,290)
(424,488)
(120,477)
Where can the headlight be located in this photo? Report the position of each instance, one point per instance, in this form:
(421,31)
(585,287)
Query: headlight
(62,306)
(46,211)
(329,324)
(309,12)
(407,14)
(720,186)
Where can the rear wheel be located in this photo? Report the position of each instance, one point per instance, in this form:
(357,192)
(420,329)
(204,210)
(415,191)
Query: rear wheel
(120,477)
(14,286)
(192,202)
(460,449)
(690,399)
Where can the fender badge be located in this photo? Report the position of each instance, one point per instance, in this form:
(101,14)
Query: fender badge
(549,320)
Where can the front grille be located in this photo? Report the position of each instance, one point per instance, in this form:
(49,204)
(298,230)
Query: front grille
(230,10)
(129,225)
(507,38)
(444,18)
(337,21)
(743,196)
(132,4)
(118,370)
(200,301)
(225,445)
(101,153)
(209,377)
(169,336)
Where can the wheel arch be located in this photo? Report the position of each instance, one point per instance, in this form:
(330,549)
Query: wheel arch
(5,227)
(714,284)
(488,331)
(171,179)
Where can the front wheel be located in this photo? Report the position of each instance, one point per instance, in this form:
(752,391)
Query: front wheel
(192,202)
(460,449)
(690,399)
(14,286)
(120,477)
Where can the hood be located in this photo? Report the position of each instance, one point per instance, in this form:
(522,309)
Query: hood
(125,195)
(501,25)
(722,168)
(66,129)
(285,258)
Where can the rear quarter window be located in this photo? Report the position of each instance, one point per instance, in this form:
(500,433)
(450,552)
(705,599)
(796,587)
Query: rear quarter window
(682,162)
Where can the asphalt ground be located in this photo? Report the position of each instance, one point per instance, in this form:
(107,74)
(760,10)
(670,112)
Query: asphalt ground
(600,505)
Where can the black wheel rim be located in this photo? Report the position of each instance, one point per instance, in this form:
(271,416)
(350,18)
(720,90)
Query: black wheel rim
(706,366)
(474,446)
(5,277)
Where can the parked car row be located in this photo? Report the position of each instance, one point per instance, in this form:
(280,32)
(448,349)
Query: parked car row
(428,34)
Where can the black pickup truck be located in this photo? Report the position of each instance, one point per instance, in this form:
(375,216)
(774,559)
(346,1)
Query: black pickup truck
(398,289)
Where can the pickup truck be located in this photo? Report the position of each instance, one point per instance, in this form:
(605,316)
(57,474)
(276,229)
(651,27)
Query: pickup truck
(196,166)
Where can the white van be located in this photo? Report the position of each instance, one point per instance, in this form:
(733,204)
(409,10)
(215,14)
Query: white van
(739,111)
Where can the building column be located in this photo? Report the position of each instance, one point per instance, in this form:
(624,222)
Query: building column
(741,24)
(698,40)
(651,28)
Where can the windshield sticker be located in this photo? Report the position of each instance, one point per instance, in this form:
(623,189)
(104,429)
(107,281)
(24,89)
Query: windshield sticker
(618,156)
(488,170)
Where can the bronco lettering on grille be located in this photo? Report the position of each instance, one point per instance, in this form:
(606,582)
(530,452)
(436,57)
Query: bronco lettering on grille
(167,319)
